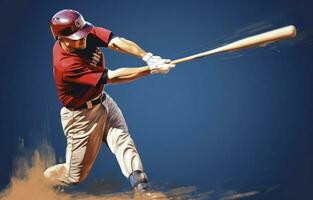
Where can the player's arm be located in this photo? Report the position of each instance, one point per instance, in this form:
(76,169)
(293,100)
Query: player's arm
(128,74)
(131,48)
(120,44)
(126,46)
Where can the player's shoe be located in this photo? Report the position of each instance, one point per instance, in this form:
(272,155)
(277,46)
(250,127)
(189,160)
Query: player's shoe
(143,192)
(142,189)
(58,188)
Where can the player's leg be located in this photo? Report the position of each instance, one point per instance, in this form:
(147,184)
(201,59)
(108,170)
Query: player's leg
(84,132)
(122,146)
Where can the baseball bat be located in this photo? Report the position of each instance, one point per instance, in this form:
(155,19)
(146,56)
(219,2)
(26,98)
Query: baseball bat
(252,41)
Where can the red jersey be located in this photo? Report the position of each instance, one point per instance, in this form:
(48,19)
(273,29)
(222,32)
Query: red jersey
(77,74)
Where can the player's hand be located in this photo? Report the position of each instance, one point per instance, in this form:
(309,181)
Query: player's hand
(150,59)
(162,67)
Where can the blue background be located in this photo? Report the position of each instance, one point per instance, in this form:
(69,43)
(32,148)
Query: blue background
(236,121)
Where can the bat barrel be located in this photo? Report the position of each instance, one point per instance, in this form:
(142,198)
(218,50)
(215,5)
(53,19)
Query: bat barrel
(256,40)
(262,39)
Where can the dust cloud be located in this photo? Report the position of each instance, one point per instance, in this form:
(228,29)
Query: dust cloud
(28,183)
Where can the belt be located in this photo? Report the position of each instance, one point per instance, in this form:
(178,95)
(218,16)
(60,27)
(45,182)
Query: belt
(92,103)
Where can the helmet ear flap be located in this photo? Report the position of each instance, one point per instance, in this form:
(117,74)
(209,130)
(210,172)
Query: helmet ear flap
(54,36)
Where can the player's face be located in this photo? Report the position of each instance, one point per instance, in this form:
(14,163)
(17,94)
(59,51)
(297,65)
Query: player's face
(79,44)
(75,44)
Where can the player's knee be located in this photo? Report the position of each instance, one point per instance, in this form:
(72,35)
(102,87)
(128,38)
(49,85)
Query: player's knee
(46,174)
(123,138)
(55,172)
(60,174)
(117,138)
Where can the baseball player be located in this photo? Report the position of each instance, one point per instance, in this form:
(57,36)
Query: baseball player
(89,115)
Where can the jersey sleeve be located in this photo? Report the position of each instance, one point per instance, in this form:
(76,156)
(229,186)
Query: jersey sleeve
(104,36)
(82,74)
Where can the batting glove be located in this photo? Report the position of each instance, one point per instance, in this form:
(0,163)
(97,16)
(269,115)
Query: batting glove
(162,67)
(150,59)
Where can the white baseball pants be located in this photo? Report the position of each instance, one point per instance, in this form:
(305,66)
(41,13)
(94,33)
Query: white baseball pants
(85,130)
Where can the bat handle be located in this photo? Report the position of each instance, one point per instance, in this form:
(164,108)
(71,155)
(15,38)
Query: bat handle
(180,60)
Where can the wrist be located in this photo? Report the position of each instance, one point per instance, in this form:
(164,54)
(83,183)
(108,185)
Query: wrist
(142,54)
(149,69)
(147,56)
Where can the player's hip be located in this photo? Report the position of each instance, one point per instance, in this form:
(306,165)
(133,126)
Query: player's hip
(84,120)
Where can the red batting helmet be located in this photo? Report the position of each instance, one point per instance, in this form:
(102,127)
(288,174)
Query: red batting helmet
(69,24)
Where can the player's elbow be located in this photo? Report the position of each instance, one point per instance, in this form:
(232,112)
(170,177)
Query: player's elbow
(115,43)
(112,76)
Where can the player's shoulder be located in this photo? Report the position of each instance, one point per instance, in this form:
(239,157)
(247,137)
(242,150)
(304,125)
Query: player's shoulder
(101,36)
(100,32)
